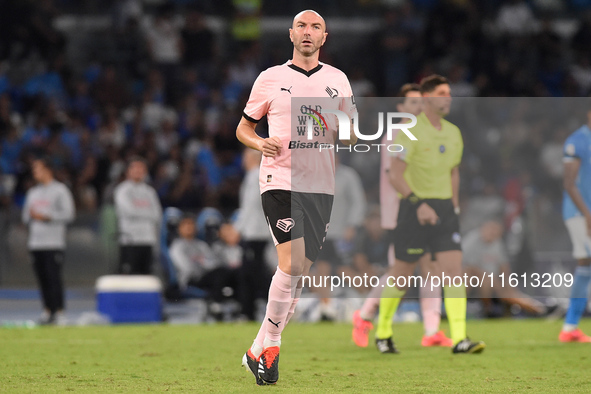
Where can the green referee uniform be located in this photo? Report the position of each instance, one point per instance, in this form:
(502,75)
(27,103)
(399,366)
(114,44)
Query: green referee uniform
(429,162)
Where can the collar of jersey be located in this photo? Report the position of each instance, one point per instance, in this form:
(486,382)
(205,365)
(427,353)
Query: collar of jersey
(428,122)
(301,70)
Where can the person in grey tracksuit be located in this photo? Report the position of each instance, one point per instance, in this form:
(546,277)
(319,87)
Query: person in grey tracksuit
(252,225)
(48,208)
(139,214)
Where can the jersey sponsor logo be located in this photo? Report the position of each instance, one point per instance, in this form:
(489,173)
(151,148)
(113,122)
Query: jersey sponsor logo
(307,145)
(311,121)
(285,225)
(456,237)
(415,251)
(332,92)
(287,90)
(442,148)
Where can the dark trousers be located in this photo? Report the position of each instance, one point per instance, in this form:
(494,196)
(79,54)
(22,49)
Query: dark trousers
(48,270)
(215,280)
(255,277)
(135,259)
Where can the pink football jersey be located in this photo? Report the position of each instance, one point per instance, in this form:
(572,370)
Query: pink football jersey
(301,165)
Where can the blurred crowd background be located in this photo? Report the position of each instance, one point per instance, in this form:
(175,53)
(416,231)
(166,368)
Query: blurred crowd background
(92,83)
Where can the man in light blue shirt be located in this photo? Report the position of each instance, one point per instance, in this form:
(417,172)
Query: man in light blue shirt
(576,211)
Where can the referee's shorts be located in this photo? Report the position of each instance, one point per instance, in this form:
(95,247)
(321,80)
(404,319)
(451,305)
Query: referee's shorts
(292,215)
(413,240)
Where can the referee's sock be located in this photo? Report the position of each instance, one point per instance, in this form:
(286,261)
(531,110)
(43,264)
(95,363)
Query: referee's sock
(389,302)
(455,307)
(578,298)
(370,305)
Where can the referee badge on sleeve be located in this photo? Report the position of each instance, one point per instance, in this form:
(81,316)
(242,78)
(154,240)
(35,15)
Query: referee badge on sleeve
(570,150)
(269,178)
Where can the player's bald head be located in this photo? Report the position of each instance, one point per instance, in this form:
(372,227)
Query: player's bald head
(308,13)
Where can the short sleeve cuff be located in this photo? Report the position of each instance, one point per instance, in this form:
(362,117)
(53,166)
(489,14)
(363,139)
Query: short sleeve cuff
(250,119)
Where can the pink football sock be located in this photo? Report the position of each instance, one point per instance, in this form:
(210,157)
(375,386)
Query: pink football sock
(430,308)
(261,334)
(281,296)
(297,294)
(372,302)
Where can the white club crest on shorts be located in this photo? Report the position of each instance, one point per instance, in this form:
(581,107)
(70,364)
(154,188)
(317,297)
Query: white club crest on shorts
(456,237)
(285,225)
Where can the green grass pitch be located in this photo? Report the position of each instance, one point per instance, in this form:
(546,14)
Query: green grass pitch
(520,356)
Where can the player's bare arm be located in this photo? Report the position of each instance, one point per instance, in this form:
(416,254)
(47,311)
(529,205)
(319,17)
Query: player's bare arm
(571,171)
(425,213)
(352,140)
(245,132)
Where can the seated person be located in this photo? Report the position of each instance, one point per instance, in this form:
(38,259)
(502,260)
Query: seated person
(371,248)
(484,252)
(197,264)
(227,248)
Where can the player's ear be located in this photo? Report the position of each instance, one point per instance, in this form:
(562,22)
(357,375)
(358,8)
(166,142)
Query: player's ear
(291,34)
(324,39)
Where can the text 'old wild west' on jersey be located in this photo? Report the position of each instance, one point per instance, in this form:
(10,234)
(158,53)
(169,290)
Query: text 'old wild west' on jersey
(301,165)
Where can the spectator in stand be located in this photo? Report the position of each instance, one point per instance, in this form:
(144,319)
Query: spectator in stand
(516,18)
(139,215)
(194,260)
(198,41)
(110,89)
(165,45)
(11,148)
(37,135)
(208,268)
(111,132)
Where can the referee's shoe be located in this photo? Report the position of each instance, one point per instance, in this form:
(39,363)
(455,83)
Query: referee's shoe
(467,346)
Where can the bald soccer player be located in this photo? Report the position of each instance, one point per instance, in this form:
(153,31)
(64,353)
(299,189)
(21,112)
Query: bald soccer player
(298,212)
